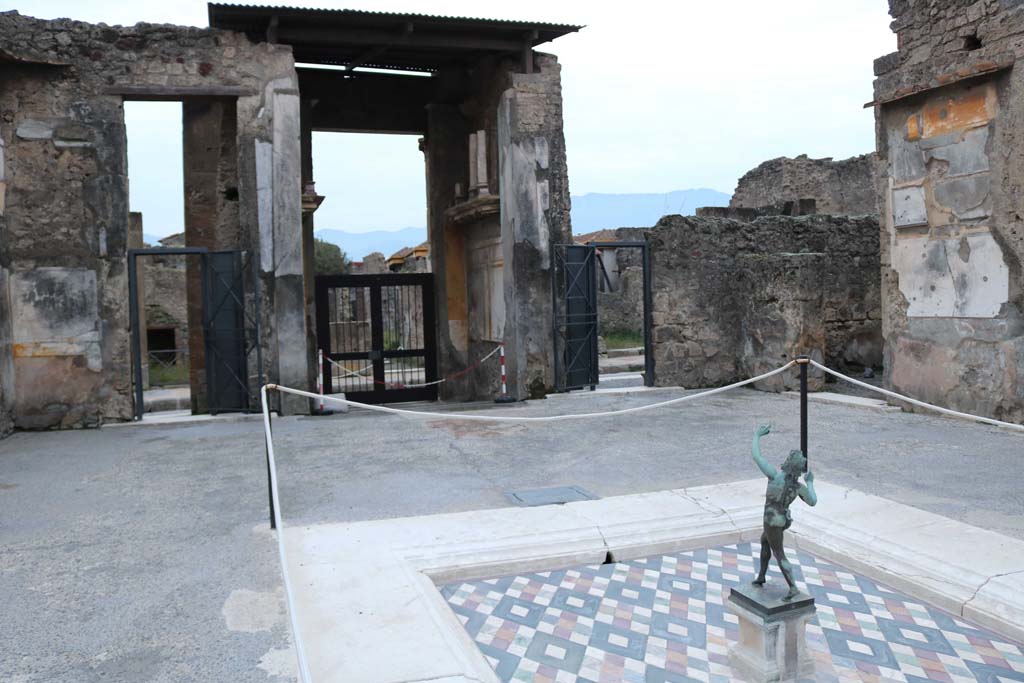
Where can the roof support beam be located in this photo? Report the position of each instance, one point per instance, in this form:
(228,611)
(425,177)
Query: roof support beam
(332,37)
(272,30)
(528,41)
(377,51)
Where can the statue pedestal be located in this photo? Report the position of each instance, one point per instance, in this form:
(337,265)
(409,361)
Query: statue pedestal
(773,643)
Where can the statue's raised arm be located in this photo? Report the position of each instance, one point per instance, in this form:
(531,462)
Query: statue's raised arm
(807,493)
(755,452)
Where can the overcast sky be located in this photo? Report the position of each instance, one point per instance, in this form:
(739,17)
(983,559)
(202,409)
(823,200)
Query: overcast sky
(658,96)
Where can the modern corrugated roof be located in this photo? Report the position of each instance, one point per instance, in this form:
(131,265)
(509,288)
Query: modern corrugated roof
(390,40)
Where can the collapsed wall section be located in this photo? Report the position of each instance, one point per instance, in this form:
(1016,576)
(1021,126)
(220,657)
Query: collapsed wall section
(65,227)
(949,116)
(733,299)
(801,185)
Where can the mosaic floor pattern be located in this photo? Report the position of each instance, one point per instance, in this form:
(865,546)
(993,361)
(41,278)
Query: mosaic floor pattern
(662,620)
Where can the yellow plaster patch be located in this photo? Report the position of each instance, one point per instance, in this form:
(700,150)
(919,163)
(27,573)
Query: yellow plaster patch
(914,127)
(945,115)
(49,349)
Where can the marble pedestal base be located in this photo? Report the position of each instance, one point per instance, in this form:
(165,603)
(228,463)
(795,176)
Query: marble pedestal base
(773,643)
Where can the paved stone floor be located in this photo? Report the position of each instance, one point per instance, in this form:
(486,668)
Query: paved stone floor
(142,553)
(662,620)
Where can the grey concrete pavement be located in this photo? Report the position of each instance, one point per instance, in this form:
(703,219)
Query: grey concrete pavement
(142,553)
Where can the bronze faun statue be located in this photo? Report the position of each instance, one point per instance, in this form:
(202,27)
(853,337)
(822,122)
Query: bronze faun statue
(783,488)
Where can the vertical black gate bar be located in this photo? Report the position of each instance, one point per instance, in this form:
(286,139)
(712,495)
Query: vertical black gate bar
(429,332)
(556,314)
(211,399)
(257,312)
(648,316)
(377,338)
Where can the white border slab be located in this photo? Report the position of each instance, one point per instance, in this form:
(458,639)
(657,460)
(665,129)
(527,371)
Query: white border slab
(369,610)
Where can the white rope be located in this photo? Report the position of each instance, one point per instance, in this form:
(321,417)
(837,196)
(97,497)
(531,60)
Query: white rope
(922,404)
(410,386)
(348,373)
(546,418)
(300,652)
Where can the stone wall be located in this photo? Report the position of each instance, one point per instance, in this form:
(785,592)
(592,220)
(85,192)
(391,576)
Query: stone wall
(622,307)
(62,84)
(801,186)
(733,299)
(950,117)
(534,215)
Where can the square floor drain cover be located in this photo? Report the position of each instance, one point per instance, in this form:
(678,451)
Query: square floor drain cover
(555,495)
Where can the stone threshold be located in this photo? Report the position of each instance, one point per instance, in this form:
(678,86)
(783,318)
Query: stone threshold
(846,400)
(369,610)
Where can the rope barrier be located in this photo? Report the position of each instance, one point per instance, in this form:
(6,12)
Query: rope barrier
(914,401)
(304,675)
(400,385)
(300,651)
(525,418)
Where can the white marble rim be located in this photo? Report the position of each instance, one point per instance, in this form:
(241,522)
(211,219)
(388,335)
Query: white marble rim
(369,609)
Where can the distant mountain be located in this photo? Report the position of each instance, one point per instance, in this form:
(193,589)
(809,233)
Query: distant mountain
(593,211)
(151,240)
(596,211)
(356,245)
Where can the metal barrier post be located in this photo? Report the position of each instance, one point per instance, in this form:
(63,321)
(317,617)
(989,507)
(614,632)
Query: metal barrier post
(270,487)
(803,362)
(322,369)
(504,397)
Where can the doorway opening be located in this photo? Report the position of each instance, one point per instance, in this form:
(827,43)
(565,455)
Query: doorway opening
(374,304)
(193,292)
(603,309)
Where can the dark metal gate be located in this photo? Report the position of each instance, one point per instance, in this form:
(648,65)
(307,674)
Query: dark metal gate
(379,334)
(231,327)
(576,316)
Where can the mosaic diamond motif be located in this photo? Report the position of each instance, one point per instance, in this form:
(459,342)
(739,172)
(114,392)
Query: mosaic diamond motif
(662,620)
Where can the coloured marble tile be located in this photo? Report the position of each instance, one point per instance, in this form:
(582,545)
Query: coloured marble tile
(663,620)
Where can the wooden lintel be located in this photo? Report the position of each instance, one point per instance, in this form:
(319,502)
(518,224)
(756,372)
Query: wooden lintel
(170,92)
(309,36)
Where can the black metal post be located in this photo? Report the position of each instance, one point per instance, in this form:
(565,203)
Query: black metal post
(270,488)
(133,322)
(803,362)
(648,313)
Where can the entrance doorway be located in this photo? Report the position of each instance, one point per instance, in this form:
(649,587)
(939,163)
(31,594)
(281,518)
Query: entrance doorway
(377,336)
(582,277)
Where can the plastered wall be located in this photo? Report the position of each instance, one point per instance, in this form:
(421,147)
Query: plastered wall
(64,234)
(949,118)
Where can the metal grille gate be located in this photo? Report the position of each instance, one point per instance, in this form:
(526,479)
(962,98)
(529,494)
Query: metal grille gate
(231,325)
(576,318)
(380,332)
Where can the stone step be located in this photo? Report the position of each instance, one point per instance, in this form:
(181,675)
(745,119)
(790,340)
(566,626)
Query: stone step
(621,364)
(619,353)
(621,379)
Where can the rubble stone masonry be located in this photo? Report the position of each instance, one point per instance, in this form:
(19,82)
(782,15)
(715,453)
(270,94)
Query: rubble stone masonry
(735,299)
(64,337)
(949,107)
(803,185)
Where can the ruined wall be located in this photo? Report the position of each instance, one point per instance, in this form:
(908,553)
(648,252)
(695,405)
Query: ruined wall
(949,119)
(734,299)
(6,339)
(622,308)
(802,185)
(62,84)
(534,215)
(490,243)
